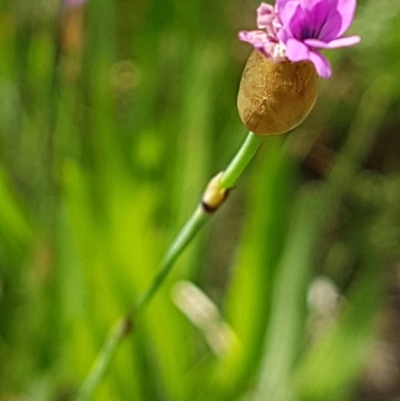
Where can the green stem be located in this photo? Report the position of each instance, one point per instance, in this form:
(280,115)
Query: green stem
(200,217)
(240,161)
(103,359)
(183,239)
(188,232)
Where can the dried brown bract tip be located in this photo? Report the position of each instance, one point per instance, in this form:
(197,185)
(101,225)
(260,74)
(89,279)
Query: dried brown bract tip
(276,97)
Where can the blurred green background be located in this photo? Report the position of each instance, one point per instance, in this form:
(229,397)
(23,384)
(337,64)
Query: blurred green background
(113,116)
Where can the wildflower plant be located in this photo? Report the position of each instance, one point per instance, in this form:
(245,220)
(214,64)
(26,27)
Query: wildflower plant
(278,89)
(299,29)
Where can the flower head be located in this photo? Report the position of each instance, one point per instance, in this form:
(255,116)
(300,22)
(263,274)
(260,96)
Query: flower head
(299,29)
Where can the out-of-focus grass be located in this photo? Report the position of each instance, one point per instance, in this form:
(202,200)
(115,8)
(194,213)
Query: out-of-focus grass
(112,117)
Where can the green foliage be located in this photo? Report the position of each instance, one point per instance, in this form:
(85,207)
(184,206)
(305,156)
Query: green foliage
(112,118)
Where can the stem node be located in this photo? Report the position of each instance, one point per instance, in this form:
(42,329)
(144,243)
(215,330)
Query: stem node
(214,196)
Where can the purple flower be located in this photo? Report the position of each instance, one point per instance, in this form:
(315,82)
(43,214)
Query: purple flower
(300,29)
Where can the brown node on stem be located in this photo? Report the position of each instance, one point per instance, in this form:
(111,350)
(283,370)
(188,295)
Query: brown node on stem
(275,97)
(214,196)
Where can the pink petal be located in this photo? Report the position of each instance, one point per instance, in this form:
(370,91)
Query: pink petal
(281,4)
(296,50)
(287,9)
(256,38)
(260,41)
(328,19)
(333,44)
(331,27)
(321,65)
(346,9)
(318,12)
(284,35)
(297,22)
(265,15)
(308,4)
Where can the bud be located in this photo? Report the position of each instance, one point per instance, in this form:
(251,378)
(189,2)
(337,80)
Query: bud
(275,97)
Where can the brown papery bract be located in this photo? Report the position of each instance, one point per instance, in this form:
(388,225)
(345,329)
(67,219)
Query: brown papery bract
(275,97)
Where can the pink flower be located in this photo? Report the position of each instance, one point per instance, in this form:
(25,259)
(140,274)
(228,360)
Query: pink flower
(300,29)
